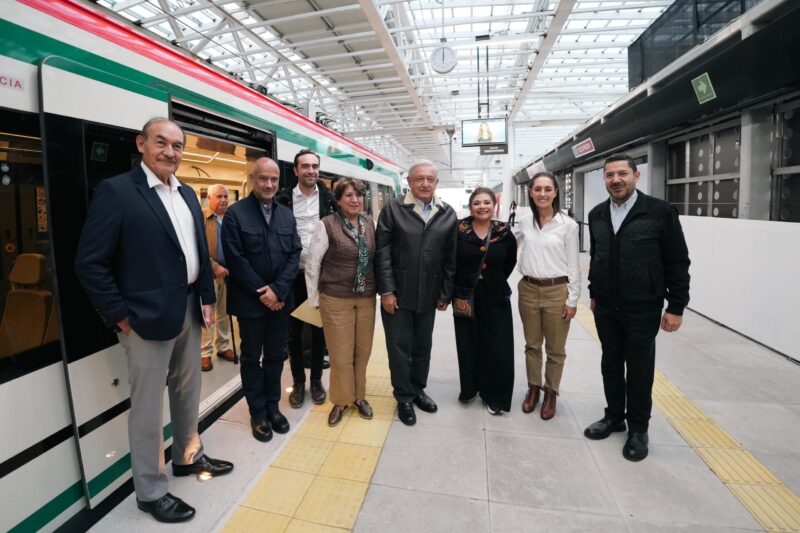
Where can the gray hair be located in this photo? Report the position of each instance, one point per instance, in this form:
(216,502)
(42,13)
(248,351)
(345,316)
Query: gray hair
(156,120)
(212,189)
(423,163)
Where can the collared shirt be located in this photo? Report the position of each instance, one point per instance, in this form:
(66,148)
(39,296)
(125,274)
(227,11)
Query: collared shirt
(306,213)
(619,212)
(266,210)
(550,252)
(181,218)
(425,211)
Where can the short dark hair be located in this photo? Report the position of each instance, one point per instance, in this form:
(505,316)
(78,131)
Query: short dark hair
(483,190)
(342,184)
(556,201)
(156,120)
(305,151)
(620,157)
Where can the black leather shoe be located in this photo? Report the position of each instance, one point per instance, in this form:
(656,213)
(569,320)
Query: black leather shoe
(278,422)
(635,448)
(424,402)
(603,428)
(298,395)
(167,508)
(204,465)
(406,414)
(261,430)
(318,394)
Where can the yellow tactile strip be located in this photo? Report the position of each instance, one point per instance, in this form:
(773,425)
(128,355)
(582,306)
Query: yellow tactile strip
(318,482)
(775,506)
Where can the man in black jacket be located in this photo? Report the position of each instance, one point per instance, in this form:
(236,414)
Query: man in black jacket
(415,261)
(310,201)
(638,259)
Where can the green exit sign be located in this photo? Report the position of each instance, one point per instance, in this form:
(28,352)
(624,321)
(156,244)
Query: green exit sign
(703,88)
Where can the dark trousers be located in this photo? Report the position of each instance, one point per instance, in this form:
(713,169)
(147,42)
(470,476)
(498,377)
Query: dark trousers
(408,342)
(628,340)
(263,341)
(485,346)
(296,338)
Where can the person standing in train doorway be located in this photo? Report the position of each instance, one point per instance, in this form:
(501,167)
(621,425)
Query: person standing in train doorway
(262,252)
(221,334)
(310,201)
(639,258)
(143,261)
(415,261)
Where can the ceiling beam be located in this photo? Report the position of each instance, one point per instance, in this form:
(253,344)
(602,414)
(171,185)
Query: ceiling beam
(553,30)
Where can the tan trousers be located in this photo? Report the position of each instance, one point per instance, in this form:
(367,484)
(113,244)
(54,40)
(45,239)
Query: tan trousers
(348,324)
(221,331)
(540,309)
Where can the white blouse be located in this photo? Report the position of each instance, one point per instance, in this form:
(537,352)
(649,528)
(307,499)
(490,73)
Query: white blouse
(551,251)
(316,252)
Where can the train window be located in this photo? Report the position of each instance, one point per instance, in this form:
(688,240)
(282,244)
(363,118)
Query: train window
(29,324)
(708,185)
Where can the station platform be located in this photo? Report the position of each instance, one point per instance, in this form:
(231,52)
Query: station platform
(724,452)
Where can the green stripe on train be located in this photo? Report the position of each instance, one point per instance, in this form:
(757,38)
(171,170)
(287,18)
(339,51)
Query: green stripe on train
(49,511)
(38,46)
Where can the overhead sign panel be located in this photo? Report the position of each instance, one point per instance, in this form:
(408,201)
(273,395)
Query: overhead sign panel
(493,149)
(583,148)
(703,88)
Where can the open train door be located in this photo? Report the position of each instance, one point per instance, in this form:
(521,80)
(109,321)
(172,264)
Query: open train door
(89,120)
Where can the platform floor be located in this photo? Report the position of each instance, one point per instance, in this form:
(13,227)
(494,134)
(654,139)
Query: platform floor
(724,452)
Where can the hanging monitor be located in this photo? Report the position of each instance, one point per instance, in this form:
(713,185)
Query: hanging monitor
(483,131)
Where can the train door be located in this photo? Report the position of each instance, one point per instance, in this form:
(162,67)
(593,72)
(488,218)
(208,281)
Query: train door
(90,119)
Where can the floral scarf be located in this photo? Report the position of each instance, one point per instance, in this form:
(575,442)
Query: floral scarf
(360,282)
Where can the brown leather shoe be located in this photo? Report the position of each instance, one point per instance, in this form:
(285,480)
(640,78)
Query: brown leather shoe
(206,364)
(336,414)
(364,409)
(531,399)
(228,355)
(548,405)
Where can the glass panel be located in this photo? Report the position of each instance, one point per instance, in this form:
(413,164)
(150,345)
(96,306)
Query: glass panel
(699,148)
(676,195)
(726,151)
(676,161)
(725,198)
(787,201)
(698,199)
(791,138)
(29,325)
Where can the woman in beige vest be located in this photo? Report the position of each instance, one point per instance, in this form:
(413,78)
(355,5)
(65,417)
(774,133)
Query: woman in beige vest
(341,283)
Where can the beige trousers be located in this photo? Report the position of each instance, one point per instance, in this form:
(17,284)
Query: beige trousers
(540,309)
(221,330)
(348,324)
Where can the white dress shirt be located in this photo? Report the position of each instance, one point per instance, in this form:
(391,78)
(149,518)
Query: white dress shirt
(550,252)
(306,212)
(181,219)
(619,212)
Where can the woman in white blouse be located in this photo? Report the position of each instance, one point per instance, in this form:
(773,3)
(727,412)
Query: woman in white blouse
(341,283)
(548,291)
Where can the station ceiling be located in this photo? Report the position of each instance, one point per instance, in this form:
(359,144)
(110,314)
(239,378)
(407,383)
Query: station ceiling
(366,68)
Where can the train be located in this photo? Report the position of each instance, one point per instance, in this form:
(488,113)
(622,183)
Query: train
(76,85)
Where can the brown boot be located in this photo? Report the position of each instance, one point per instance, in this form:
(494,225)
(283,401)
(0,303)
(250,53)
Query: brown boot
(548,405)
(531,399)
(206,364)
(228,355)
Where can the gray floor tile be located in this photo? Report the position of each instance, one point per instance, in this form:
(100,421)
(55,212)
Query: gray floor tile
(515,421)
(725,383)
(506,517)
(553,473)
(582,377)
(390,510)
(441,460)
(758,426)
(784,465)
(636,526)
(451,413)
(672,485)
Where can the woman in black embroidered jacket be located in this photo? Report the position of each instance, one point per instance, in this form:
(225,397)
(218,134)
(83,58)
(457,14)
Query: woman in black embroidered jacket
(485,343)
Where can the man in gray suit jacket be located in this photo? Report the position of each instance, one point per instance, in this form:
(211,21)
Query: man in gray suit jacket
(143,261)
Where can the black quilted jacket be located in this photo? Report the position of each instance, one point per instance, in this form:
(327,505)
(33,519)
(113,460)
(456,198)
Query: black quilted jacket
(644,263)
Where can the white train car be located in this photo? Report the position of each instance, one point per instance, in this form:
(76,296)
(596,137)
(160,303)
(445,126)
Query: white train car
(75,86)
